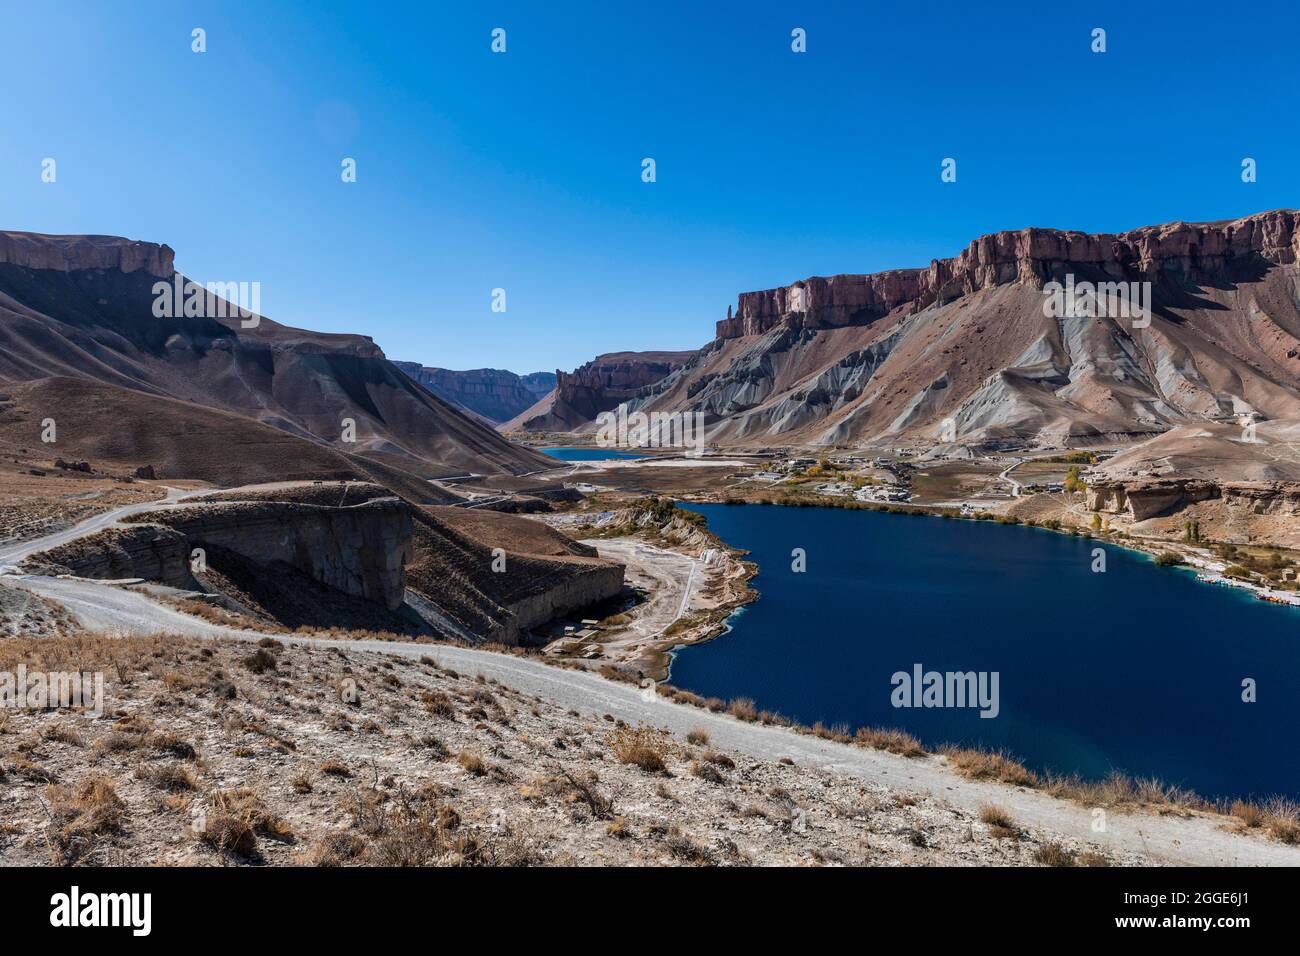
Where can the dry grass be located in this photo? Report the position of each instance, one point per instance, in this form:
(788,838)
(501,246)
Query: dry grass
(172,696)
(439,704)
(744,709)
(983,765)
(1054,854)
(706,771)
(1278,817)
(640,746)
(234,819)
(472,762)
(894,741)
(171,777)
(79,816)
(1000,823)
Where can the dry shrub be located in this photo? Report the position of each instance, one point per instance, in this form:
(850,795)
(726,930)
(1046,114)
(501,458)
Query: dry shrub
(999,821)
(743,708)
(472,762)
(584,789)
(234,819)
(166,743)
(415,832)
(718,758)
(260,661)
(892,741)
(640,746)
(333,849)
(172,777)
(706,771)
(686,850)
(439,704)
(699,736)
(1054,854)
(985,765)
(80,814)
(64,733)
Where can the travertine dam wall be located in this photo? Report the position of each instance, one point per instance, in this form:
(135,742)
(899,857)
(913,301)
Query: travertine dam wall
(361,550)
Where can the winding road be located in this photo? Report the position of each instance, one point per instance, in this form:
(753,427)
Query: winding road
(1016,487)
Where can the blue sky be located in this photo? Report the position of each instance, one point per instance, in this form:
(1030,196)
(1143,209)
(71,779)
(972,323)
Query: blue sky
(523,170)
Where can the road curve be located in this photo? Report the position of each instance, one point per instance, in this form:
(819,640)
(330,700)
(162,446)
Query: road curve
(14,553)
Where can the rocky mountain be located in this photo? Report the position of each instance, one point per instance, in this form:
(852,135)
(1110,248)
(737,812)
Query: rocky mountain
(600,385)
(975,350)
(492,394)
(115,312)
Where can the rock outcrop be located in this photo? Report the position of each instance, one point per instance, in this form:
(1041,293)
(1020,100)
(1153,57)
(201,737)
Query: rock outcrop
(491,393)
(30,250)
(598,386)
(1033,256)
(1143,498)
(495,577)
(147,551)
(361,550)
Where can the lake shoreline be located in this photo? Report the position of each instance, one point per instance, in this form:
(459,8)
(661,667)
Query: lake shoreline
(813,624)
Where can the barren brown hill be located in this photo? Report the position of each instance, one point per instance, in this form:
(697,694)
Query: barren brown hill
(1216,451)
(83,307)
(122,429)
(965,349)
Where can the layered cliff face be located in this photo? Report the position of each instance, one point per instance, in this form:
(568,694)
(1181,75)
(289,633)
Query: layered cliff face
(85,308)
(30,250)
(1233,477)
(361,550)
(1145,498)
(1183,251)
(492,394)
(968,349)
(473,574)
(495,577)
(599,386)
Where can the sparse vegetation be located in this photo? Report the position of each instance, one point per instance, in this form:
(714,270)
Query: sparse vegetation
(641,746)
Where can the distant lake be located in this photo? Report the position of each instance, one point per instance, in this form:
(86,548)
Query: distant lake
(1138,669)
(591,454)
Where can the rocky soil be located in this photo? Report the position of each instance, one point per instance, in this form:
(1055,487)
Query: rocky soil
(227,753)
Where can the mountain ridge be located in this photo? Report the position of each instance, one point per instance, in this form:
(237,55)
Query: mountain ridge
(83,307)
(965,351)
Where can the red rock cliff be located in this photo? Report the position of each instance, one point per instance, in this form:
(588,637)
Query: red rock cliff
(1028,255)
(71,253)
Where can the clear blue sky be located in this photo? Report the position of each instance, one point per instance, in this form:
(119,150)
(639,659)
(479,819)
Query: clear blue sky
(523,170)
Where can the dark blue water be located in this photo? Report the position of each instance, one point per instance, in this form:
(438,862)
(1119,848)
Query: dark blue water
(590,454)
(1138,669)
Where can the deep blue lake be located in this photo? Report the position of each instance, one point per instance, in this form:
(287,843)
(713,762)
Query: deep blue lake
(1138,669)
(590,454)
